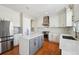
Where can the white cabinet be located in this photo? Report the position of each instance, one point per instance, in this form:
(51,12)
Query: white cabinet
(50,37)
(62,18)
(54,37)
(69,17)
(75,12)
(16,39)
(65,17)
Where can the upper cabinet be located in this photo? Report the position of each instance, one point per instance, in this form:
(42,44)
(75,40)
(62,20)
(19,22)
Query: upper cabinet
(69,15)
(75,12)
(62,18)
(65,17)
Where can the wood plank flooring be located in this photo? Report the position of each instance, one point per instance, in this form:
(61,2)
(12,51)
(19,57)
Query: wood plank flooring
(14,51)
(48,48)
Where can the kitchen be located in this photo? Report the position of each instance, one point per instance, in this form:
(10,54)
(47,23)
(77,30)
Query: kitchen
(32,25)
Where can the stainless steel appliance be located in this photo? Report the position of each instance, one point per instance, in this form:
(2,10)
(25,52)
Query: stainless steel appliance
(6,36)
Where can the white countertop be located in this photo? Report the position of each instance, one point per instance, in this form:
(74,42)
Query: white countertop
(33,35)
(69,46)
(69,35)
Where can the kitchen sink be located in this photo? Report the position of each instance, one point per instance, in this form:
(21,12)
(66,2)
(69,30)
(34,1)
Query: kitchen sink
(69,37)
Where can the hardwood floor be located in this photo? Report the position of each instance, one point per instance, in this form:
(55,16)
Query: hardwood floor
(48,48)
(14,51)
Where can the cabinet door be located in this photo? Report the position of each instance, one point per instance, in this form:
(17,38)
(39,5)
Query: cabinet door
(16,39)
(40,41)
(31,46)
(68,17)
(36,43)
(62,18)
(76,12)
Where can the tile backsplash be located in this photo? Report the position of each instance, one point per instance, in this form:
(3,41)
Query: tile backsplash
(54,30)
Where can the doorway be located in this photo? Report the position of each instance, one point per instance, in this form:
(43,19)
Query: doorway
(46,35)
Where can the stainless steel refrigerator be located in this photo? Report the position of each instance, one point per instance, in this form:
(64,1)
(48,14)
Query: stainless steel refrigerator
(6,36)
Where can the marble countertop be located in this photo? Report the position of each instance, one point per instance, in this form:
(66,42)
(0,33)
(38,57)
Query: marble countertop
(33,35)
(70,46)
(69,35)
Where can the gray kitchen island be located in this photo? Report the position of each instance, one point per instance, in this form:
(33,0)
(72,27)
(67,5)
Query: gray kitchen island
(28,45)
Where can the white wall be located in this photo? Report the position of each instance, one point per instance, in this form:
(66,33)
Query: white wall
(34,23)
(9,14)
(39,22)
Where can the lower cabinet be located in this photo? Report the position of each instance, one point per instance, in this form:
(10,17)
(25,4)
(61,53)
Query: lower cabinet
(16,39)
(40,42)
(35,44)
(31,46)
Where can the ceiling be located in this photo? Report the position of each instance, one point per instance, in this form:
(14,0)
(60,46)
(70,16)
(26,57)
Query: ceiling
(36,10)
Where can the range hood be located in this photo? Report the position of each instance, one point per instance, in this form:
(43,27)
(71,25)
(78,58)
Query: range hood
(46,21)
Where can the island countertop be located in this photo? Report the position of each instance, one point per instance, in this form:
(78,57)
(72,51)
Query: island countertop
(33,35)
